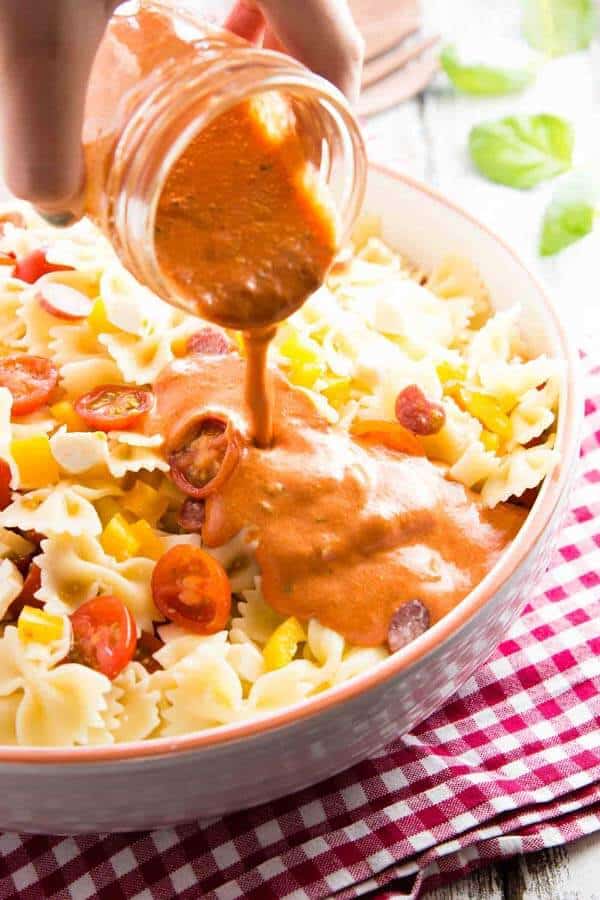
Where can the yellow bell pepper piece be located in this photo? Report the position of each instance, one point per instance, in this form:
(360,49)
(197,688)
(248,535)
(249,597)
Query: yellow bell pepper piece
(107,508)
(489,440)
(338,391)
(447,371)
(39,626)
(33,457)
(299,348)
(64,412)
(281,647)
(486,409)
(305,374)
(150,545)
(145,502)
(119,540)
(98,319)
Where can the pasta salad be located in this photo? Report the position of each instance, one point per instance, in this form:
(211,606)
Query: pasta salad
(86,511)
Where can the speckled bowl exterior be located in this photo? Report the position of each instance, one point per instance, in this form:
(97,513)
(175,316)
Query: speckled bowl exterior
(156,783)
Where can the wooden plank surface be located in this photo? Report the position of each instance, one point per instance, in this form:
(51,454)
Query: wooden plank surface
(428,138)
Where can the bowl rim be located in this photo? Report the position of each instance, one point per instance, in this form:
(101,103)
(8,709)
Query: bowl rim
(507,565)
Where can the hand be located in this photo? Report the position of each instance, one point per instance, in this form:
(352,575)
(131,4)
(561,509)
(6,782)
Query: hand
(47,48)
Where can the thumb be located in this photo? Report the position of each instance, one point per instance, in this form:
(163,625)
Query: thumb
(46,52)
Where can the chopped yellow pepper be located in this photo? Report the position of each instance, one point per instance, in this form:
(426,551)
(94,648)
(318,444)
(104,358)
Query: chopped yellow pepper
(37,625)
(64,412)
(489,440)
(107,508)
(33,457)
(150,544)
(179,345)
(281,647)
(486,409)
(145,502)
(448,371)
(305,374)
(119,540)
(98,319)
(299,348)
(338,391)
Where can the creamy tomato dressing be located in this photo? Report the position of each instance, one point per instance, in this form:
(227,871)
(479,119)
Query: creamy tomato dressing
(345,533)
(244,233)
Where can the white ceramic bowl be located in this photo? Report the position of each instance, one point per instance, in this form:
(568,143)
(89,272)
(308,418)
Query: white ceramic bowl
(155,783)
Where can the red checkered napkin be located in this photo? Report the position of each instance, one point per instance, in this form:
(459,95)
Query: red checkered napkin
(511,764)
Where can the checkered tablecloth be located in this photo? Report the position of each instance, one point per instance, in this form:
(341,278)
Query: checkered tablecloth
(510,765)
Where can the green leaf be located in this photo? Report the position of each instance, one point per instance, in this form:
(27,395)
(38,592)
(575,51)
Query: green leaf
(521,151)
(570,215)
(557,27)
(485,81)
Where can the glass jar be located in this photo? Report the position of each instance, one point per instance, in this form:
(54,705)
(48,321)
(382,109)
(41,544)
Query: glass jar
(161,77)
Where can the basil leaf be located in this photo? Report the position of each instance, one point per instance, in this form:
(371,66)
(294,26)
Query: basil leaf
(481,79)
(521,151)
(570,215)
(557,27)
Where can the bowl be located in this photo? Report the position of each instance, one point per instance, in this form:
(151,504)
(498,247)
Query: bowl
(157,783)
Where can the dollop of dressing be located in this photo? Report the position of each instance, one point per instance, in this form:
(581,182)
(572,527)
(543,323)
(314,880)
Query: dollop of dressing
(345,532)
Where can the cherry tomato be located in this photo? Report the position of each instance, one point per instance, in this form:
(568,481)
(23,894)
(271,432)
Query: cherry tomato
(5,491)
(208,341)
(30,379)
(389,434)
(191,588)
(35,264)
(104,635)
(32,584)
(64,302)
(114,407)
(205,461)
(417,413)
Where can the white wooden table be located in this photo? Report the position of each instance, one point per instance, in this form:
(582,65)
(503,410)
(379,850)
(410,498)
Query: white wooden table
(427,137)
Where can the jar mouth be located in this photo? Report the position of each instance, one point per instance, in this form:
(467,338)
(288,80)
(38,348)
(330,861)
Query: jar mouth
(176,113)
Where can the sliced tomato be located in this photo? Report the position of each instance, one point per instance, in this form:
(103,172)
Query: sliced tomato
(207,458)
(31,267)
(104,635)
(191,588)
(208,341)
(114,407)
(30,379)
(64,302)
(5,491)
(389,434)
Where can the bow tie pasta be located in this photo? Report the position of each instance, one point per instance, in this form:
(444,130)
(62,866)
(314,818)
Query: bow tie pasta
(88,512)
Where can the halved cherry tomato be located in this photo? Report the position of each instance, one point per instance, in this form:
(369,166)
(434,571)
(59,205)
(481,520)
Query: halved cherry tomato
(208,341)
(389,434)
(205,461)
(104,635)
(5,491)
(35,264)
(32,584)
(64,302)
(114,407)
(30,379)
(191,588)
